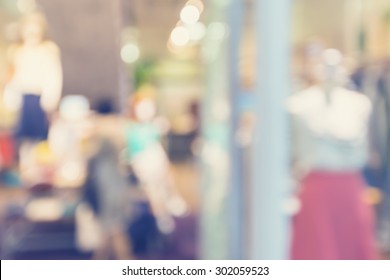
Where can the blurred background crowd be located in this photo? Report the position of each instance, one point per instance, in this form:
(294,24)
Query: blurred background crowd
(189,129)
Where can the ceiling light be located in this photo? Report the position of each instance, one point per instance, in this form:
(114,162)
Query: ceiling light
(197,3)
(190,14)
(197,31)
(130,53)
(180,36)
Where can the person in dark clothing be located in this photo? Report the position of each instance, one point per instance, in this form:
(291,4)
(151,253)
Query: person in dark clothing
(106,188)
(374,81)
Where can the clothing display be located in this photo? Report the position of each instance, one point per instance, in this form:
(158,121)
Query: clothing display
(151,166)
(194,130)
(37,70)
(330,147)
(35,86)
(147,156)
(330,135)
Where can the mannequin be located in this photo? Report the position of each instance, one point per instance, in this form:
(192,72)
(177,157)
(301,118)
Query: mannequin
(35,83)
(69,132)
(151,164)
(330,149)
(331,120)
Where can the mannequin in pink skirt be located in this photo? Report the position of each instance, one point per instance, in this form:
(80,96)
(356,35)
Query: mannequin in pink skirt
(330,126)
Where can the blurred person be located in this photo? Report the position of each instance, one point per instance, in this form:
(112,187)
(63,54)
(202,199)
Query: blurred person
(150,163)
(146,237)
(375,82)
(106,189)
(330,126)
(35,83)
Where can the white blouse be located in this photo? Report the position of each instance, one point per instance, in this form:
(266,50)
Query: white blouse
(37,70)
(330,131)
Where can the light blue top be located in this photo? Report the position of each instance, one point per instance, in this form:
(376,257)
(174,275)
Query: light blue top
(140,136)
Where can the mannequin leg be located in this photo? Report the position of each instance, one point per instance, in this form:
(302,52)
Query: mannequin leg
(121,245)
(103,253)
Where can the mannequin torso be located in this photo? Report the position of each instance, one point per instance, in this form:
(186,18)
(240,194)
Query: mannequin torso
(37,70)
(330,128)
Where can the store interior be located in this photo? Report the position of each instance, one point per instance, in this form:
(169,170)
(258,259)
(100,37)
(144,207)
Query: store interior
(190,129)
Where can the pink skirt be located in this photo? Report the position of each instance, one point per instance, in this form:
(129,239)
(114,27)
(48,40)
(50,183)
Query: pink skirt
(334,222)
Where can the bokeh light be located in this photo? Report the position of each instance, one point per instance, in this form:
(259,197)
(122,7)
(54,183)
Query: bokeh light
(130,53)
(217,31)
(197,31)
(26,6)
(196,3)
(190,14)
(74,107)
(180,36)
